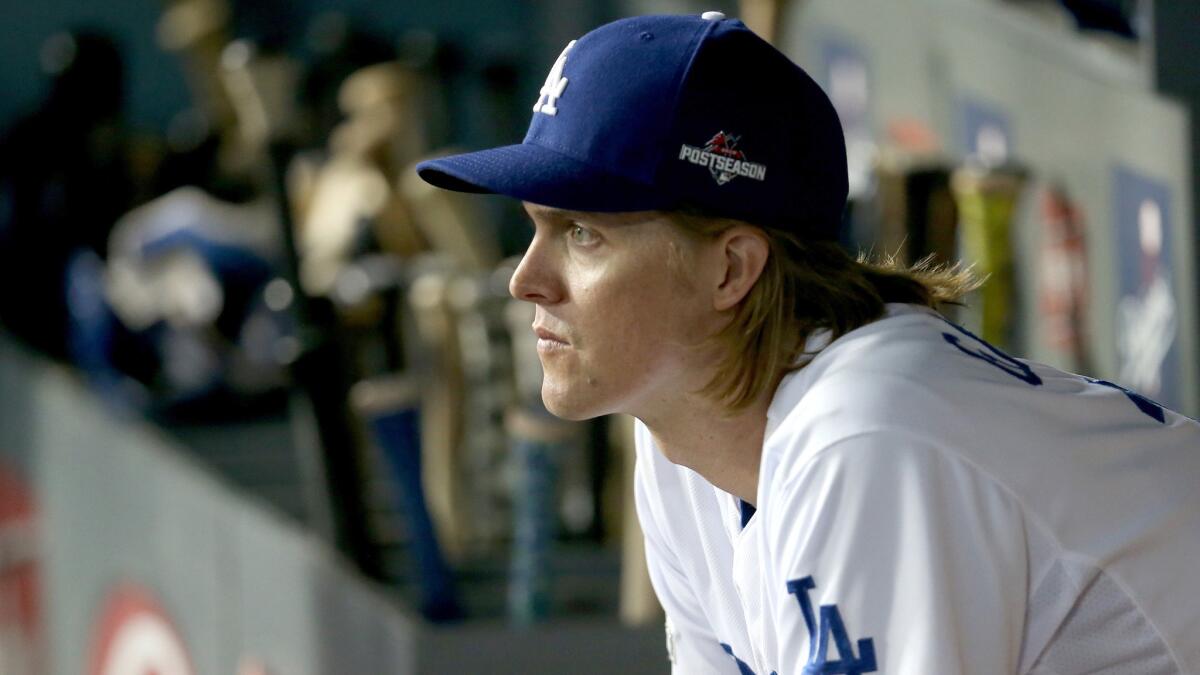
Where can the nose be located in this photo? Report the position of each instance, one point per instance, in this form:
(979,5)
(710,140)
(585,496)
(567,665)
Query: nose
(535,279)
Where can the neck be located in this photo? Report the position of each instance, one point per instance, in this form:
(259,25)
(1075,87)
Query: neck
(701,435)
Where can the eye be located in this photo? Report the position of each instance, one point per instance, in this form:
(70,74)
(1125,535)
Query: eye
(582,236)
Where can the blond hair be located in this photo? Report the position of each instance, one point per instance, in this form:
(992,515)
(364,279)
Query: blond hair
(805,287)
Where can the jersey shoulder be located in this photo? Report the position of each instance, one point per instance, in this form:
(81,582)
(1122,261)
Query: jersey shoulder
(892,374)
(915,375)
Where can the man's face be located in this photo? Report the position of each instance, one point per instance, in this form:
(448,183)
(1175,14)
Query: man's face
(619,323)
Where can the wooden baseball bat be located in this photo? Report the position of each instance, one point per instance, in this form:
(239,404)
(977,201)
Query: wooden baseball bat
(987,200)
(539,442)
(478,303)
(391,408)
(197,30)
(352,195)
(454,228)
(916,211)
(452,222)
(1063,282)
(443,396)
(764,17)
(261,94)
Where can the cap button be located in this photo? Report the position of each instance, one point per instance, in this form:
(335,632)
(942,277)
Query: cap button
(712,16)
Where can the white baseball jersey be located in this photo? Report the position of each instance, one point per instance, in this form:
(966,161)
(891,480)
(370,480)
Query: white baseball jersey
(928,504)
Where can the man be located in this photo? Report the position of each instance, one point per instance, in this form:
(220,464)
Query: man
(831,477)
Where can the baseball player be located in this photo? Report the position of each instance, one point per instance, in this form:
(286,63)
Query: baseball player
(831,477)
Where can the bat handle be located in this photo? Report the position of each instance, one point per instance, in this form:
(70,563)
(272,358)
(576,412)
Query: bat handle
(539,441)
(396,430)
(763,17)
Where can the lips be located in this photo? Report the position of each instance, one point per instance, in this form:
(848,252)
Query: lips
(548,335)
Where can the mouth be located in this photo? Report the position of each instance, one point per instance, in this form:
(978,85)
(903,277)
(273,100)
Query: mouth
(549,341)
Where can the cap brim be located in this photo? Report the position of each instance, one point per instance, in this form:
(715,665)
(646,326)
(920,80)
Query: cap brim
(532,173)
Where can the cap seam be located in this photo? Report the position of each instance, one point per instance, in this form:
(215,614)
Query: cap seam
(681,77)
(664,148)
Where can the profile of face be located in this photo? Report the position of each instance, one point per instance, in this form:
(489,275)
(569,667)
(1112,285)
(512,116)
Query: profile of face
(621,312)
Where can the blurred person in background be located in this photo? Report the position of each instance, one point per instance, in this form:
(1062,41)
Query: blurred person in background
(64,181)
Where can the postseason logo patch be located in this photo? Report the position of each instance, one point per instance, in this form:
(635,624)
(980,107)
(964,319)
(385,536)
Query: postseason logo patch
(723,159)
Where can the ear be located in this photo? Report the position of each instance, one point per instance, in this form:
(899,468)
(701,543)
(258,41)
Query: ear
(744,249)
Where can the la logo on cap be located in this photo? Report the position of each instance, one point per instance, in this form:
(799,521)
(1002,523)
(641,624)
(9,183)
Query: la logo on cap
(554,86)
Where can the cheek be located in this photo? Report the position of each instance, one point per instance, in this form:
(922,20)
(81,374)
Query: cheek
(640,321)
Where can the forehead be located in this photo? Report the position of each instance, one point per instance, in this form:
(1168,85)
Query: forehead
(550,213)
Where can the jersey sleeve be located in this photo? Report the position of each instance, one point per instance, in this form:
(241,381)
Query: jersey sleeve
(891,555)
(691,644)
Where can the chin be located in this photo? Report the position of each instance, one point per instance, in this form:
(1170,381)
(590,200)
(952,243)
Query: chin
(563,407)
(568,412)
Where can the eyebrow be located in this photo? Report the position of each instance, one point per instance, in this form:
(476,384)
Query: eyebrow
(532,209)
(549,211)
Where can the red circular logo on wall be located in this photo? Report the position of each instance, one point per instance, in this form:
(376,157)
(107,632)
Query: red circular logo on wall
(134,636)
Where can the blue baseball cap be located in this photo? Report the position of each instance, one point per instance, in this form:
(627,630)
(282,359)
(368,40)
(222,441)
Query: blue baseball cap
(670,112)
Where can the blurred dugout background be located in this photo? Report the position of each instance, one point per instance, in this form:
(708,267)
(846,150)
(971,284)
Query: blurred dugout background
(265,405)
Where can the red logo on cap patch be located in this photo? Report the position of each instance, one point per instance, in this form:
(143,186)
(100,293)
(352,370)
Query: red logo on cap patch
(723,159)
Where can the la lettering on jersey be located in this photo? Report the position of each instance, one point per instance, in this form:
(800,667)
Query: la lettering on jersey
(930,504)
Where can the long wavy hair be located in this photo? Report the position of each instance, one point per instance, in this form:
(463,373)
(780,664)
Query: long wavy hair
(805,287)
